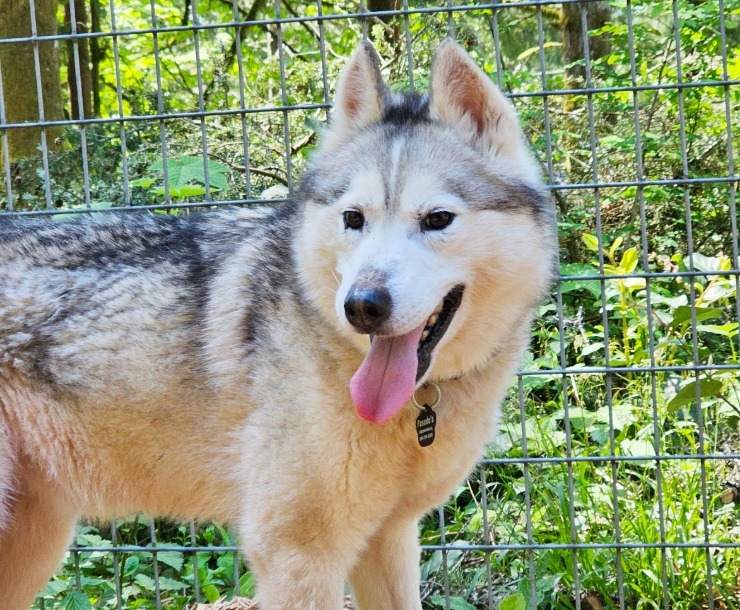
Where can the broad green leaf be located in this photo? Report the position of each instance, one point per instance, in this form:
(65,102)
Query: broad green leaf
(456,603)
(431,565)
(581,419)
(76,600)
(532,382)
(592,243)
(225,563)
(726,330)
(599,433)
(637,447)
(144,581)
(181,191)
(672,302)
(708,263)
(247,584)
(634,283)
(629,260)
(170,584)
(615,246)
(131,565)
(171,558)
(570,269)
(733,67)
(715,292)
(91,540)
(183,170)
(591,348)
(687,394)
(622,415)
(612,139)
(128,591)
(211,592)
(217,175)
(86,581)
(593,287)
(683,314)
(513,602)
(576,269)
(55,587)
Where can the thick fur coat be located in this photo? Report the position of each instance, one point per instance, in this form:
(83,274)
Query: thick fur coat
(220,366)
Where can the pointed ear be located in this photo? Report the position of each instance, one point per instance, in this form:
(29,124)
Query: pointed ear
(360,91)
(463,97)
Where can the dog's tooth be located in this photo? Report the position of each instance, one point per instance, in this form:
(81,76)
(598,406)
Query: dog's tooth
(424,335)
(432,319)
(439,308)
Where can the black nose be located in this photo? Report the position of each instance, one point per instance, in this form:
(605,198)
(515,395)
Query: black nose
(367,308)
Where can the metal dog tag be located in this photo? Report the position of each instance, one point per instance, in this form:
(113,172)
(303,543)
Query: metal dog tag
(425,424)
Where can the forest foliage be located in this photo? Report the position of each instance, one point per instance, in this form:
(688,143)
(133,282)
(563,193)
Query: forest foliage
(214,102)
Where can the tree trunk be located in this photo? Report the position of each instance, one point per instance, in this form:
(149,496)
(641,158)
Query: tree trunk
(597,15)
(20,79)
(96,56)
(80,85)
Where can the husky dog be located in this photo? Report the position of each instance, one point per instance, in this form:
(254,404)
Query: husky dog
(258,366)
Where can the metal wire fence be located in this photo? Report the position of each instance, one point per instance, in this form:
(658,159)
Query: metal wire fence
(615,480)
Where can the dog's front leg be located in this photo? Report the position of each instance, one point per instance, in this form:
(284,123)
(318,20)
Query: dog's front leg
(296,579)
(387,572)
(32,544)
(295,573)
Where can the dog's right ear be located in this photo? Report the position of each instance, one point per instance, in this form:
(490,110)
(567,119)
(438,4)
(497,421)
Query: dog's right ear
(463,97)
(359,98)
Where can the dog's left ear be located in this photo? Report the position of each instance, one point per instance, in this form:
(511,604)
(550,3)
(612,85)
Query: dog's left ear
(463,97)
(360,92)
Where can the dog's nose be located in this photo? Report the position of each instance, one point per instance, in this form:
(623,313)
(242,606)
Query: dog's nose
(367,308)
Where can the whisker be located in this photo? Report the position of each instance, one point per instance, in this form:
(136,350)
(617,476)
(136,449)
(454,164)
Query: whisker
(336,277)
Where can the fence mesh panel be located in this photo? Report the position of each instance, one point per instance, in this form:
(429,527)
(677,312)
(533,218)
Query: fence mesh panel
(614,483)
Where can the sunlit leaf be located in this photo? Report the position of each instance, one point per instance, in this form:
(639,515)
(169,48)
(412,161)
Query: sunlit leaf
(513,602)
(687,394)
(629,261)
(592,243)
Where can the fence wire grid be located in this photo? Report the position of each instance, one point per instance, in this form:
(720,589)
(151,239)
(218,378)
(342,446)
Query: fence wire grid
(614,483)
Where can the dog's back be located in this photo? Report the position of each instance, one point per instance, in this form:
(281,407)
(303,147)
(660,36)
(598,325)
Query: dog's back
(72,289)
(102,335)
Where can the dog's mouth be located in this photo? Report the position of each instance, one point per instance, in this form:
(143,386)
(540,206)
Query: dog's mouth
(436,327)
(388,376)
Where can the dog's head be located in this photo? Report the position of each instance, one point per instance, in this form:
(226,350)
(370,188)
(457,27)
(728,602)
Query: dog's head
(426,228)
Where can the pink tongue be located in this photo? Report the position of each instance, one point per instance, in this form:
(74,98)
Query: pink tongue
(386,379)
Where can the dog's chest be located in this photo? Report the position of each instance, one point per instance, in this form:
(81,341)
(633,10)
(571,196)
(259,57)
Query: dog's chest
(433,469)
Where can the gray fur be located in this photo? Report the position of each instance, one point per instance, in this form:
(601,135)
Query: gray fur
(82,271)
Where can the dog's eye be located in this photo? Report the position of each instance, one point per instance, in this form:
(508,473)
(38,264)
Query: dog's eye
(437,220)
(353,219)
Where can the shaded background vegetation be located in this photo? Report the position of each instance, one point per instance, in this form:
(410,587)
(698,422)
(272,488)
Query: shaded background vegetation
(180,105)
